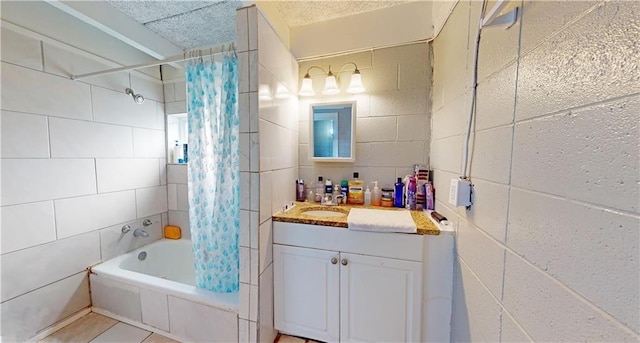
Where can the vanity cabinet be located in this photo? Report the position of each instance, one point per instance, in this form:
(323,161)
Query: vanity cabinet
(337,285)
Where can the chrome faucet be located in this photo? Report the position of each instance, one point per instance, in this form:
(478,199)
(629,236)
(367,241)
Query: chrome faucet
(140,233)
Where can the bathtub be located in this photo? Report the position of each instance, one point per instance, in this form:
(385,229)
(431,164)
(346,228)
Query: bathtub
(158,293)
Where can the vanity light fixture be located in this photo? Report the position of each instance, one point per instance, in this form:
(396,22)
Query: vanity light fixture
(331,83)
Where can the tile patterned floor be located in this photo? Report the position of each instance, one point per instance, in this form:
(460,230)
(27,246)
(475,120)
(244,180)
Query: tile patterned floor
(97,328)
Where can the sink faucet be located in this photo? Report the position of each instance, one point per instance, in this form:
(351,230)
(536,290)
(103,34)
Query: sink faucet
(140,233)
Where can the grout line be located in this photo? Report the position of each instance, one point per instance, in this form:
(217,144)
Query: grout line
(498,302)
(566,288)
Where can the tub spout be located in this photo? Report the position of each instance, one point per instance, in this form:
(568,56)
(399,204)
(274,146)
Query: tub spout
(140,233)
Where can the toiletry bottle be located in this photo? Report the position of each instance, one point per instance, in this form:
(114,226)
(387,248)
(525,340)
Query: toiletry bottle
(376,195)
(367,197)
(328,187)
(177,152)
(319,189)
(411,193)
(356,194)
(344,185)
(398,194)
(300,194)
(185,152)
(429,196)
(311,196)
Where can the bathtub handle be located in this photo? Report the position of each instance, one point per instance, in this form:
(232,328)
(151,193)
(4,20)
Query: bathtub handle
(126,228)
(146,222)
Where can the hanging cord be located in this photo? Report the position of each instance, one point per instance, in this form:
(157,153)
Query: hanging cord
(474,86)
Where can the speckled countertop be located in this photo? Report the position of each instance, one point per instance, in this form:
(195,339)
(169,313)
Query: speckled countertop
(297,215)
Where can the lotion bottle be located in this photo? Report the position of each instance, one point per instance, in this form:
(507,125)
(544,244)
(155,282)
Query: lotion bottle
(367,197)
(376,195)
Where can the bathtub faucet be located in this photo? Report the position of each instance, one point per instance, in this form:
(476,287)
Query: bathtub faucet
(140,233)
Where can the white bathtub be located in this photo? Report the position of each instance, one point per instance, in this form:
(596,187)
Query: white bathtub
(159,293)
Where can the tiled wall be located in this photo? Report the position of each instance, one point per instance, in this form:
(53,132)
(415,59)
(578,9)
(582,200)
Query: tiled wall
(79,160)
(392,116)
(278,152)
(549,251)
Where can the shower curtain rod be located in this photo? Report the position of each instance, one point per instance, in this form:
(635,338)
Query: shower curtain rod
(187,55)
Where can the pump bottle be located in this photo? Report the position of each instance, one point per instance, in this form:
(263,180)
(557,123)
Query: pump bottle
(376,195)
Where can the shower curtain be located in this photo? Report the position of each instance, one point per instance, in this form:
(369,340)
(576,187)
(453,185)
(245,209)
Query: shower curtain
(214,172)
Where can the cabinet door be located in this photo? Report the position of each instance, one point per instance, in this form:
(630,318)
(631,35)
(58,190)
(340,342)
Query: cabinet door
(381,299)
(306,292)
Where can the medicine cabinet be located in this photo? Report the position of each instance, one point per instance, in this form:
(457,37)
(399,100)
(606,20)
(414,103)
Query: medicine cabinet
(332,132)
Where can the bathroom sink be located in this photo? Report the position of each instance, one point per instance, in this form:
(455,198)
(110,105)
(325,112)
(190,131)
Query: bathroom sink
(325,212)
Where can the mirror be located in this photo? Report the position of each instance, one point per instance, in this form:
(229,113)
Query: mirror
(332,132)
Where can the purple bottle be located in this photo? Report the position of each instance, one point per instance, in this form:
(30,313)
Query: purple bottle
(411,193)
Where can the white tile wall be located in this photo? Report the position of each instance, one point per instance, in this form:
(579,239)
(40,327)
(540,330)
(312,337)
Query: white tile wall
(47,263)
(266,332)
(121,174)
(193,321)
(24,135)
(155,309)
(27,225)
(27,180)
(83,214)
(66,296)
(148,143)
(116,297)
(149,89)
(77,138)
(119,108)
(20,50)
(53,129)
(177,173)
(41,93)
(66,63)
(150,201)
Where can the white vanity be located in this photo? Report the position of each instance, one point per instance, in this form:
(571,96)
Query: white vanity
(333,284)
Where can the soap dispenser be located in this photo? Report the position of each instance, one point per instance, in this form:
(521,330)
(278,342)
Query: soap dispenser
(376,195)
(367,197)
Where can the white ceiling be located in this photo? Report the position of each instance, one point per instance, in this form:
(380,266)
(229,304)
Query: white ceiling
(196,24)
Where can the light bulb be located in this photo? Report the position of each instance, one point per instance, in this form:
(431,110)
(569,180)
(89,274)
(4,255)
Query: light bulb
(307,87)
(356,86)
(330,85)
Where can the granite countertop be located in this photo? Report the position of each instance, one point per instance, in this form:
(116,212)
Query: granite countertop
(297,215)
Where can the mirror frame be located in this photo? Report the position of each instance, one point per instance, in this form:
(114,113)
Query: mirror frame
(353,133)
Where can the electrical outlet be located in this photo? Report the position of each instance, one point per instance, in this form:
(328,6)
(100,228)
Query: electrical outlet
(460,192)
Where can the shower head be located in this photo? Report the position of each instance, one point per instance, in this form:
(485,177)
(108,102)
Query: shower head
(138,98)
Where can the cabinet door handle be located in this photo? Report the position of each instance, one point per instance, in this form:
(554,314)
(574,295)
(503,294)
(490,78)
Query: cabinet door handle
(344,262)
(334,260)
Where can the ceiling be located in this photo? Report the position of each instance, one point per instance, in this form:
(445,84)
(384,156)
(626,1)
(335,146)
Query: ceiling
(197,24)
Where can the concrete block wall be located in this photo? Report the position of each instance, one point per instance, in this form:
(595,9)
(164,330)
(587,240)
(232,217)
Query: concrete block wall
(392,116)
(550,249)
(79,160)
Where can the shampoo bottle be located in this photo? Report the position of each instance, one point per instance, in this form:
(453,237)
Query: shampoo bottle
(367,197)
(376,195)
(411,193)
(177,153)
(344,186)
(319,189)
(398,194)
